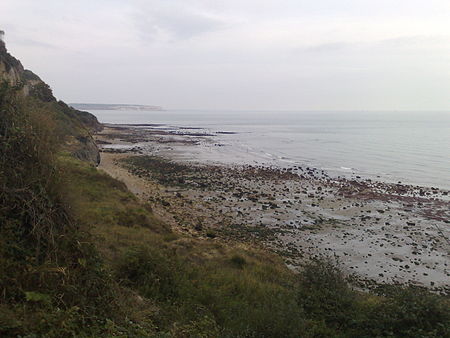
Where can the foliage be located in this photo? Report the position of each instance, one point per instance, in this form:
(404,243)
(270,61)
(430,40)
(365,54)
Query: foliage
(325,294)
(81,256)
(47,262)
(42,92)
(410,312)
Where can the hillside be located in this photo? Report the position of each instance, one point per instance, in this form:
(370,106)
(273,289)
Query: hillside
(81,256)
(76,126)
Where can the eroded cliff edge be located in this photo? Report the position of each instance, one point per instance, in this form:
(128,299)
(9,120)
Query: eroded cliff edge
(76,126)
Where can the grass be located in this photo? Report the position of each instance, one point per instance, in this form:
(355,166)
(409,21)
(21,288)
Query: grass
(81,256)
(166,284)
(51,276)
(193,284)
(196,287)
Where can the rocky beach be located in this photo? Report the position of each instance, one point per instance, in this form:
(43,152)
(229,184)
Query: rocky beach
(378,232)
(224,169)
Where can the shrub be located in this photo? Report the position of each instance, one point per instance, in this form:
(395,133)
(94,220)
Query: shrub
(410,312)
(48,265)
(324,294)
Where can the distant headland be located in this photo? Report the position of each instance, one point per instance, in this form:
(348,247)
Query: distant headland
(102,106)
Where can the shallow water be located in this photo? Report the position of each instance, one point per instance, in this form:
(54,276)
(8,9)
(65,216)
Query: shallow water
(411,147)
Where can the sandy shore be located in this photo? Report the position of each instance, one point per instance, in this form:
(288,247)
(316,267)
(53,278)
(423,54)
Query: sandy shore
(381,232)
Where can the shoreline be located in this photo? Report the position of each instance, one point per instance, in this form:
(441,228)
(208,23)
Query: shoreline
(381,232)
(216,144)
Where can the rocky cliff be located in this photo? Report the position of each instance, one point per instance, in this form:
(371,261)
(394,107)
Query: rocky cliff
(76,126)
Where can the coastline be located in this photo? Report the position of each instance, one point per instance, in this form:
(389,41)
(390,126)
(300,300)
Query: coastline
(381,232)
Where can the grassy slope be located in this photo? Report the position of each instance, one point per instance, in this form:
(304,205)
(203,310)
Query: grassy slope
(80,256)
(193,285)
(187,287)
(50,273)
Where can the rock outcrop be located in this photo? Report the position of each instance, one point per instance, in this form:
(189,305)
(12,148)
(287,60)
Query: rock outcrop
(76,125)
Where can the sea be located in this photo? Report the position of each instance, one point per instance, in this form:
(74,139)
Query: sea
(407,147)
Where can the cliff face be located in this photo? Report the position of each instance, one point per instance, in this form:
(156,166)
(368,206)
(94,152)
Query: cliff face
(76,126)
(10,68)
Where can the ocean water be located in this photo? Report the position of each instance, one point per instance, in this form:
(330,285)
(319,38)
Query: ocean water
(411,147)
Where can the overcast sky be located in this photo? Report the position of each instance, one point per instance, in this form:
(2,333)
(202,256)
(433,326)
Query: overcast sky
(238,54)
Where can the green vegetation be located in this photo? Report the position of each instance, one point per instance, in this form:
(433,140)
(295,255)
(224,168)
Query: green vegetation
(50,274)
(81,256)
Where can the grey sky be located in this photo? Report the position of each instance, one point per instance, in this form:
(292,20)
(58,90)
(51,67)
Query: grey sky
(238,54)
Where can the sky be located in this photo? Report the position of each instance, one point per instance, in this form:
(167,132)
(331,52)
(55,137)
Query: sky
(238,54)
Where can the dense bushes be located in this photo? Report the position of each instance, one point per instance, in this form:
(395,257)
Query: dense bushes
(49,271)
(28,185)
(325,295)
(396,311)
(410,312)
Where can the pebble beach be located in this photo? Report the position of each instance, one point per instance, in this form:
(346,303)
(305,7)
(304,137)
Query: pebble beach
(378,232)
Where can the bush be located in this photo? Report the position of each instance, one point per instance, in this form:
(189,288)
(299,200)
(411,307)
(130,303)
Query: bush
(48,266)
(330,303)
(410,312)
(324,294)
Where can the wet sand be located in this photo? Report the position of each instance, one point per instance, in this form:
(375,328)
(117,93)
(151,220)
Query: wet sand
(381,232)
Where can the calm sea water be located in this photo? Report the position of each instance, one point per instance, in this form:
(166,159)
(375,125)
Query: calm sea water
(411,147)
